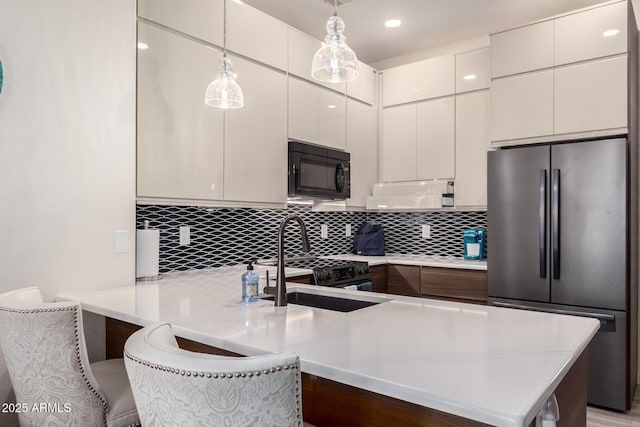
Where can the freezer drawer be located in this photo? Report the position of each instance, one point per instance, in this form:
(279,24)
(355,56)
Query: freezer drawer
(607,352)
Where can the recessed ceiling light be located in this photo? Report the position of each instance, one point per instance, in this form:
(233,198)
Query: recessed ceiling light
(143,46)
(392,23)
(470,77)
(611,33)
(331,106)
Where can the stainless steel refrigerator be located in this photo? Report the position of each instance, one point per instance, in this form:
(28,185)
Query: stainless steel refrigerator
(559,240)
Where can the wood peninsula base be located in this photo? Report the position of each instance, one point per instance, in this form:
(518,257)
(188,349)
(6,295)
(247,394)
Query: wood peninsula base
(329,403)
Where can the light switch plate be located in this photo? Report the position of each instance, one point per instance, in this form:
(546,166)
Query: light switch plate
(347,230)
(121,241)
(324,231)
(185,235)
(426,231)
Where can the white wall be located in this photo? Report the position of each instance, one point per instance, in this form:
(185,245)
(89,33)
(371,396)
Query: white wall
(67,143)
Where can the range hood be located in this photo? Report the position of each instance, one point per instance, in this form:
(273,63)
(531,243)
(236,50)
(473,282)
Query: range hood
(407,195)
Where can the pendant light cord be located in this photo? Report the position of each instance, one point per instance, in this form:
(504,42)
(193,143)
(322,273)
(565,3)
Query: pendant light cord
(335,7)
(224,28)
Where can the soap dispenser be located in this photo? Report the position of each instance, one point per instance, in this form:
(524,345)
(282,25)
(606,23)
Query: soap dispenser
(250,281)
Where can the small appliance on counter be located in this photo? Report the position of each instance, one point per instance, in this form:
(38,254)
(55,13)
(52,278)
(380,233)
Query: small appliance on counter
(474,241)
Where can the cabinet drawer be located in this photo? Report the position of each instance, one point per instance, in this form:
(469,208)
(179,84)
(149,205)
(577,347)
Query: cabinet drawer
(403,280)
(453,283)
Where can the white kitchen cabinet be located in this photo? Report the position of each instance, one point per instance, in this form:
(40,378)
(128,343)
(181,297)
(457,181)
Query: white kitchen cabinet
(426,79)
(362,143)
(591,96)
(522,49)
(332,119)
(522,106)
(253,33)
(316,115)
(435,139)
(472,144)
(255,152)
(594,33)
(473,70)
(302,48)
(203,19)
(180,140)
(364,87)
(399,143)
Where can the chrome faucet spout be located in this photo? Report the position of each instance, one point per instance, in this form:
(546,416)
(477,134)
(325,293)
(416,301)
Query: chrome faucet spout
(281,287)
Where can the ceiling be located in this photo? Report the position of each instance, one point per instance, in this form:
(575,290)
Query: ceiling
(425,23)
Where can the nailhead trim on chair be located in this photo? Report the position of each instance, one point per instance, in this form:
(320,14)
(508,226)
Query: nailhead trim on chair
(75,309)
(216,375)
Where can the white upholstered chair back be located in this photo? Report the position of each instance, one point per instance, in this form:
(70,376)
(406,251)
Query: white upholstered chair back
(58,374)
(174,387)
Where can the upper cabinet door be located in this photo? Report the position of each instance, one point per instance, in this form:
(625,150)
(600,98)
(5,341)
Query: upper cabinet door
(316,115)
(523,49)
(255,34)
(180,141)
(435,139)
(202,19)
(591,96)
(473,70)
(362,143)
(421,80)
(364,87)
(522,106)
(304,99)
(332,119)
(591,34)
(472,144)
(255,156)
(302,48)
(399,143)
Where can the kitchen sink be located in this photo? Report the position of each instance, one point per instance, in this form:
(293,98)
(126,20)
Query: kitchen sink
(327,302)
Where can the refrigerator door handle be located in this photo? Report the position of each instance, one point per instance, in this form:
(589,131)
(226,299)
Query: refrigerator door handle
(555,222)
(603,318)
(542,223)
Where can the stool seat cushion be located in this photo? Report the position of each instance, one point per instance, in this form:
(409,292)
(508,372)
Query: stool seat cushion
(112,379)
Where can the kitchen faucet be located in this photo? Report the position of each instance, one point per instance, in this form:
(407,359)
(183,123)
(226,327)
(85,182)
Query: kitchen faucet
(281,287)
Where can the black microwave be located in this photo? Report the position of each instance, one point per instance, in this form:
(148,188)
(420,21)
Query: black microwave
(317,172)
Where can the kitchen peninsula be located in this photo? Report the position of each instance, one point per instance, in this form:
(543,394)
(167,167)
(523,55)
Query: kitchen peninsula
(464,362)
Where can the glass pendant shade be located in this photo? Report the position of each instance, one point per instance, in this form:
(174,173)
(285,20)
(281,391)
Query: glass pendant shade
(224,92)
(335,62)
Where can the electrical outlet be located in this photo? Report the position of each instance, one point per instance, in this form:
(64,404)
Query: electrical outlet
(121,241)
(185,235)
(426,231)
(347,230)
(324,231)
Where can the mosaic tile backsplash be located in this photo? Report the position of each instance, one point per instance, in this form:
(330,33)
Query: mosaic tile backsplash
(223,236)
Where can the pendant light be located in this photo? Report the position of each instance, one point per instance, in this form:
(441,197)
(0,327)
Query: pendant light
(223,92)
(335,62)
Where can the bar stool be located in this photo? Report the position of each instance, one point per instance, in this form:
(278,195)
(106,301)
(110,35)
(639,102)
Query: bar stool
(46,356)
(173,387)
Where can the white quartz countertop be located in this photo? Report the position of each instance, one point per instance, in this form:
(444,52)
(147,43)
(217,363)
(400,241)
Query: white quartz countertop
(422,260)
(490,364)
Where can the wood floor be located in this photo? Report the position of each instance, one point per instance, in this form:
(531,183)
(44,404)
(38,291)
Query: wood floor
(601,418)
